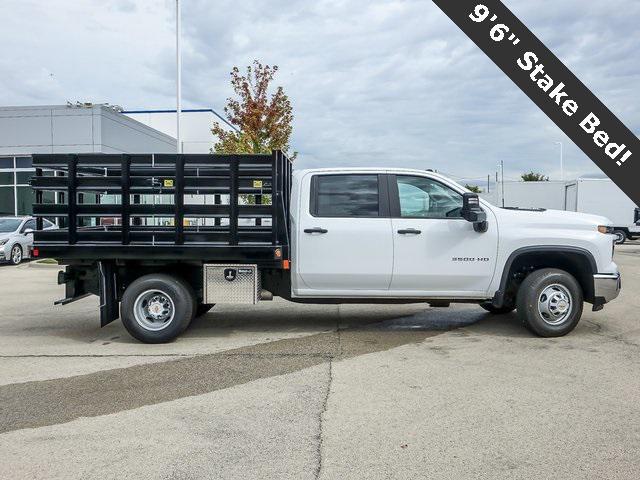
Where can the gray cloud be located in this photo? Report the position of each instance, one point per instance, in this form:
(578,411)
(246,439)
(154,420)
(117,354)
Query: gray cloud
(379,82)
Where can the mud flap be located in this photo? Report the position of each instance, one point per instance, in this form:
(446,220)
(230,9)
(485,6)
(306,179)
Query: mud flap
(109,305)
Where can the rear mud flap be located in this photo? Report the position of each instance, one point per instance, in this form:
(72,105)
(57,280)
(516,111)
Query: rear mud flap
(109,305)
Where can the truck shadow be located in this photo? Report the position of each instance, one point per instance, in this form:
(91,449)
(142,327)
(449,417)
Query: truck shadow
(385,318)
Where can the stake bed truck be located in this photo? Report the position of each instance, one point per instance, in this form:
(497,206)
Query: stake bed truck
(161,238)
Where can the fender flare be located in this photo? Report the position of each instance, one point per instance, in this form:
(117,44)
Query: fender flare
(498,299)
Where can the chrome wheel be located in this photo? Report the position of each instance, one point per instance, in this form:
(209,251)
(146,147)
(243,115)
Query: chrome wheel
(620,237)
(16,254)
(154,310)
(555,304)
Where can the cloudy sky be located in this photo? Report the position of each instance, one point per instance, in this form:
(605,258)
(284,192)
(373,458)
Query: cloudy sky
(373,82)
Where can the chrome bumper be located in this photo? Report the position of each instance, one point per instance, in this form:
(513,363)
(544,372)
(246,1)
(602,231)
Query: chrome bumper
(606,286)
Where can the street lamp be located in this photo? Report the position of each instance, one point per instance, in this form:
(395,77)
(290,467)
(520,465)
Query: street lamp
(178,78)
(561,160)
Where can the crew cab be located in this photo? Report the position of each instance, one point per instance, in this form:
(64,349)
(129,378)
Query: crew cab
(245,228)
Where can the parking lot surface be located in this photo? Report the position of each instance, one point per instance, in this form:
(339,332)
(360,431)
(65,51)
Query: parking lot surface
(302,392)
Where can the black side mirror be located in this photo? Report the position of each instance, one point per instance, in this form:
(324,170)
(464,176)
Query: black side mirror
(472,212)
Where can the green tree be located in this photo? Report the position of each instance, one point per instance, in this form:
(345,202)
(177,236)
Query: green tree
(473,188)
(534,177)
(263,119)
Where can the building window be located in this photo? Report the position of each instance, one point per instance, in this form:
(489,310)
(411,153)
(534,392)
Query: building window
(23,178)
(23,162)
(7,206)
(6,179)
(26,198)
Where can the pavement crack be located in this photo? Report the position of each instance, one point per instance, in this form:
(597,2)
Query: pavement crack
(37,403)
(323,411)
(619,338)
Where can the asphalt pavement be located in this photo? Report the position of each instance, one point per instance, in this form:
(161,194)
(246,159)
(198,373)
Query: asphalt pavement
(284,391)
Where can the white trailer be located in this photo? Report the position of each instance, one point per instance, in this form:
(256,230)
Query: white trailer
(548,195)
(600,196)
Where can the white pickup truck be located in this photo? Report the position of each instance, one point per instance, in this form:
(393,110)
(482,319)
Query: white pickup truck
(356,235)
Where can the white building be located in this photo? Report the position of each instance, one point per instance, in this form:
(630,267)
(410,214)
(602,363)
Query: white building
(195,126)
(64,129)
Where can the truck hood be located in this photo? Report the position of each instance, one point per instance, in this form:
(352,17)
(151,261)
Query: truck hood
(554,218)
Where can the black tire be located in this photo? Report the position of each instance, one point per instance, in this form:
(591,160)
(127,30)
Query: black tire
(536,311)
(621,236)
(203,308)
(163,290)
(16,259)
(488,306)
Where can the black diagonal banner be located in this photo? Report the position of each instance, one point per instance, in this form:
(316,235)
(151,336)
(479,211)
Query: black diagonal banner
(551,86)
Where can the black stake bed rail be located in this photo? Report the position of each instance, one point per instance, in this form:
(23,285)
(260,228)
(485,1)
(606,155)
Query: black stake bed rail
(163,207)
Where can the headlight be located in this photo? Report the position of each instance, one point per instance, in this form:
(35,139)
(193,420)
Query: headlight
(607,230)
(2,242)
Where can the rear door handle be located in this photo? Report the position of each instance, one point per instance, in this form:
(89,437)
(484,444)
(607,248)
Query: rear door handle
(315,230)
(410,231)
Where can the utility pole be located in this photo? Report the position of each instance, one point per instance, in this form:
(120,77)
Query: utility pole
(561,160)
(489,183)
(502,174)
(178,78)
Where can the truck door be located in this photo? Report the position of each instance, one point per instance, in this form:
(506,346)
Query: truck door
(437,252)
(344,241)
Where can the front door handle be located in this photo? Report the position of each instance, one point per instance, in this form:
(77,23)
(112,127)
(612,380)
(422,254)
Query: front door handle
(409,231)
(315,230)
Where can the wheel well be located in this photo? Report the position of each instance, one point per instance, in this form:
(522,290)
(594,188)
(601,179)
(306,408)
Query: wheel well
(192,274)
(577,262)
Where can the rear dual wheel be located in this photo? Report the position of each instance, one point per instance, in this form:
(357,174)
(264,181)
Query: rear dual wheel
(157,308)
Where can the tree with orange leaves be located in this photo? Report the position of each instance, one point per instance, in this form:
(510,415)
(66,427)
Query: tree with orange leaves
(264,120)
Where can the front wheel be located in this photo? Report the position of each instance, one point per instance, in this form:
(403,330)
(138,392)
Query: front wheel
(157,308)
(550,302)
(16,255)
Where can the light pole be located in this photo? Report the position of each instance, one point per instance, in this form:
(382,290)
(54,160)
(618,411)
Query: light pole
(502,174)
(561,160)
(178,78)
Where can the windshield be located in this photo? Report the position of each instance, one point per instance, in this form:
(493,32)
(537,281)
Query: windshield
(8,225)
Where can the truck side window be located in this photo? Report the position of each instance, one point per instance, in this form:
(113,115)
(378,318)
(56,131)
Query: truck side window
(422,197)
(345,196)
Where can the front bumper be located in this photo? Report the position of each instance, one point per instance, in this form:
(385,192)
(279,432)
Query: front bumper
(606,287)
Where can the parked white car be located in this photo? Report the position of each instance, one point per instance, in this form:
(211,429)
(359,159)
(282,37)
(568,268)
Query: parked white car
(16,237)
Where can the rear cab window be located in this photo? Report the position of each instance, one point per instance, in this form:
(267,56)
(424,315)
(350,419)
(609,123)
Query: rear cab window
(348,196)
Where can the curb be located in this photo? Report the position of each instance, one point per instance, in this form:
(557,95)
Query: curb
(35,264)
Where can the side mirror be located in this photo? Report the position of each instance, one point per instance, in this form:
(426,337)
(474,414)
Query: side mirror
(472,212)
(27,231)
